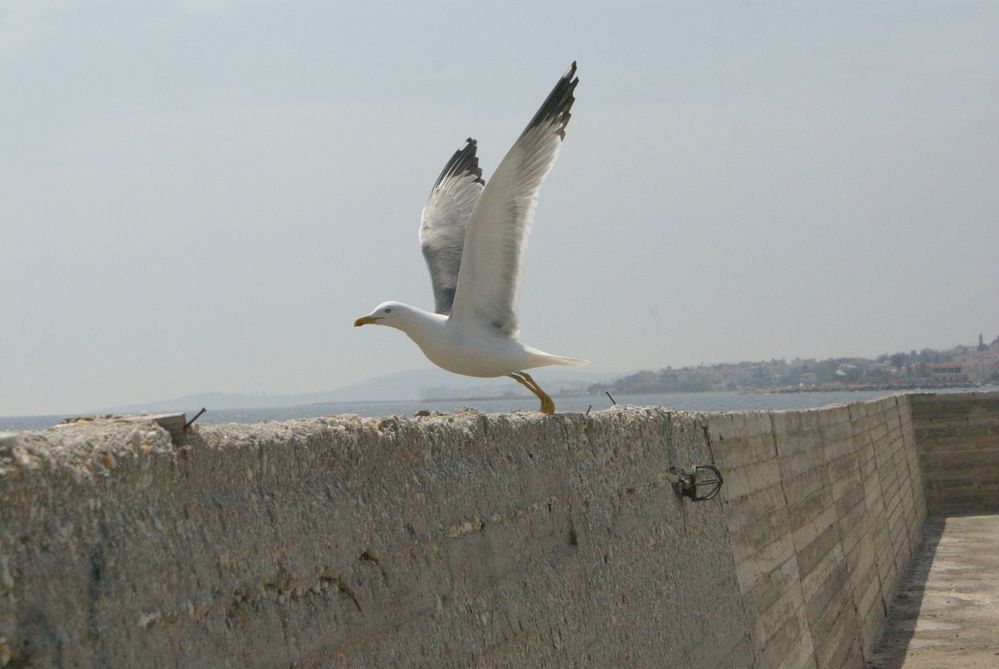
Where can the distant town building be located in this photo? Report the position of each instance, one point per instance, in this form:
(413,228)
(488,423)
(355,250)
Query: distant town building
(958,366)
(948,372)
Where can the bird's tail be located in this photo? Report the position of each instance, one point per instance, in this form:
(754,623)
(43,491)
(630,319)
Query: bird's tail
(568,362)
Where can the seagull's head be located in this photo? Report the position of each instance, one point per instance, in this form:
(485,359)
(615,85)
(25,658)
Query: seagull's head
(392,314)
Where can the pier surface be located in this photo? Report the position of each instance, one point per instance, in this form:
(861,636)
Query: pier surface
(947,610)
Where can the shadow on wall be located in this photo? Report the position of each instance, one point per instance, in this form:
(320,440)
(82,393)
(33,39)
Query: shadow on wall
(892,647)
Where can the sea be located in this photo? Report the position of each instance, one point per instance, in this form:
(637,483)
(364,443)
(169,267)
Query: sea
(709,401)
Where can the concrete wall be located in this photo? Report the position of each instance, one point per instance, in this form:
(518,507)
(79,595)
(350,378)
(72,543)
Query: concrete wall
(458,540)
(958,439)
(504,540)
(824,509)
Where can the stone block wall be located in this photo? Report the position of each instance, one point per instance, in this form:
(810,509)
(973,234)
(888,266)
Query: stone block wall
(958,439)
(458,540)
(824,509)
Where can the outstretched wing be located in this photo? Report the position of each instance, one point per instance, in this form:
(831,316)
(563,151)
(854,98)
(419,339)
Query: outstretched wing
(496,236)
(442,225)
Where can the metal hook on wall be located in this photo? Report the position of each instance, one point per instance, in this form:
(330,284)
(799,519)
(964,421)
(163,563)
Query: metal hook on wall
(699,482)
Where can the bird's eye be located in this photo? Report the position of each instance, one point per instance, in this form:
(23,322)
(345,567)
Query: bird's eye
(388,311)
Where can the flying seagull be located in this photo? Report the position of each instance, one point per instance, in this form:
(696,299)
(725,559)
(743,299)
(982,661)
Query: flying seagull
(473,237)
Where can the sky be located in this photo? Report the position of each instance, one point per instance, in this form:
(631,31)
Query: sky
(203,195)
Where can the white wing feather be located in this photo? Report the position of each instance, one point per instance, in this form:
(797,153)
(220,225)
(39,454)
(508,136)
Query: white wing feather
(442,224)
(496,235)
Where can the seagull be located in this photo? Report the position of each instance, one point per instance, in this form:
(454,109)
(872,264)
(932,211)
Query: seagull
(473,237)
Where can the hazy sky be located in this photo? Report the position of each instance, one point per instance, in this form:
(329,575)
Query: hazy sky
(204,195)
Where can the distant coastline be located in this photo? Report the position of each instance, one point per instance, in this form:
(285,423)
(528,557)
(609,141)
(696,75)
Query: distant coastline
(964,366)
(827,388)
(863,387)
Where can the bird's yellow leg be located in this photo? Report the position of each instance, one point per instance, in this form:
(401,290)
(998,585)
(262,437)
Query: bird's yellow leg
(547,405)
(524,379)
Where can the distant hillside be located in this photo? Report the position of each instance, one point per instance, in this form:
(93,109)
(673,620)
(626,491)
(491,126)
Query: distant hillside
(960,366)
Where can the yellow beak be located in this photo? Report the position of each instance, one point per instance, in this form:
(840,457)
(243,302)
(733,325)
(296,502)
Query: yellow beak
(366,320)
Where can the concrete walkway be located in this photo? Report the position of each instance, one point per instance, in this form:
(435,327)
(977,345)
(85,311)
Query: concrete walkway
(946,613)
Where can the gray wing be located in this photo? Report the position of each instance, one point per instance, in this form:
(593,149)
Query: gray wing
(493,260)
(442,225)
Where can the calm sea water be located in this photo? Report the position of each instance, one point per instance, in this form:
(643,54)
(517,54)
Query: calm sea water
(721,401)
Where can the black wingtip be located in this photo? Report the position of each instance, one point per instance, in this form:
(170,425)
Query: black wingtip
(555,109)
(464,161)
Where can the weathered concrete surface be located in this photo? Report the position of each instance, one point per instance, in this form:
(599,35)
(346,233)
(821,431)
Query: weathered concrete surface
(958,438)
(946,613)
(460,540)
(823,508)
